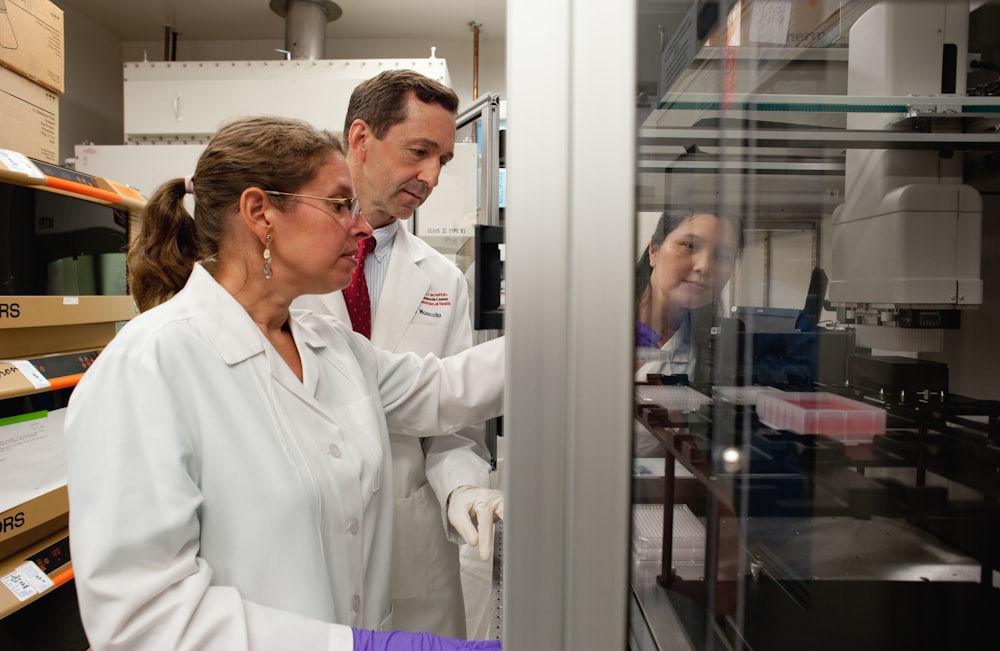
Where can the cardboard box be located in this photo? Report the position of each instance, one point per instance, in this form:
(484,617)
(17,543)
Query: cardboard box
(41,311)
(21,342)
(30,113)
(778,23)
(31,41)
(31,521)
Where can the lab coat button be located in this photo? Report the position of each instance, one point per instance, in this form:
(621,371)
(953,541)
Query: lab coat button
(352,526)
(355,603)
(334,451)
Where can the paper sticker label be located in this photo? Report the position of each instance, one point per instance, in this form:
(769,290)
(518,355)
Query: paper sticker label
(18,162)
(29,372)
(26,581)
(18,586)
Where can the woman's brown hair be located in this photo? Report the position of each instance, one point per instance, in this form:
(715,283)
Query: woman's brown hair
(272,153)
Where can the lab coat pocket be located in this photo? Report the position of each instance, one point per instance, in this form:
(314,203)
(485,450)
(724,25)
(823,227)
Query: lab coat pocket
(424,338)
(365,439)
(423,559)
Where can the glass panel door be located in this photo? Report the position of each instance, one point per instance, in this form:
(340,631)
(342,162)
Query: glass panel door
(816,438)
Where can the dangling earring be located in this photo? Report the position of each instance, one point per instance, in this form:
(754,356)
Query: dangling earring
(267,257)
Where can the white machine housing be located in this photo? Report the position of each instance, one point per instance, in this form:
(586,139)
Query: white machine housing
(909,232)
(920,246)
(180,99)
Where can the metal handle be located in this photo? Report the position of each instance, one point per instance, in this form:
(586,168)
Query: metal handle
(488,313)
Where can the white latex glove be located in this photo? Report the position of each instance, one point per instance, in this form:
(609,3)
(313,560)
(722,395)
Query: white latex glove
(472,511)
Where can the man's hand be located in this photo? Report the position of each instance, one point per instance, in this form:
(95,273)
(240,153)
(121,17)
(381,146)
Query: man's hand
(472,511)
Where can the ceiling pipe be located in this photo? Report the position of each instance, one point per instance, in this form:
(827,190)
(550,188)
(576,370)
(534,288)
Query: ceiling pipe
(475,58)
(305,26)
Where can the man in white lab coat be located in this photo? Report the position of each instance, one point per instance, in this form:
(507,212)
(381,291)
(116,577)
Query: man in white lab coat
(400,132)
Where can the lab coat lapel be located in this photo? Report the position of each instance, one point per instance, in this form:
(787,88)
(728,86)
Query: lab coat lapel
(221,319)
(308,342)
(239,341)
(405,286)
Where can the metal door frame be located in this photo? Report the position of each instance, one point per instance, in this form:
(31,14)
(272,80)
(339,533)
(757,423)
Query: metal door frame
(570,232)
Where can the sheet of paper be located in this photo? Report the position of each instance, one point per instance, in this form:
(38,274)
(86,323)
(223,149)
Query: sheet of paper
(26,581)
(32,456)
(769,21)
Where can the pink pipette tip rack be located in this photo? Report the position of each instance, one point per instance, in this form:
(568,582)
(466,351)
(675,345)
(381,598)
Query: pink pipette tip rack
(822,413)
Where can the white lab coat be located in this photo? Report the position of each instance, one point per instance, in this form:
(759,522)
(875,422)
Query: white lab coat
(216,502)
(424,308)
(675,357)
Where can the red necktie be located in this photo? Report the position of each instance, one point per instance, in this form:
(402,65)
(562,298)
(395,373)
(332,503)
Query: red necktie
(359,305)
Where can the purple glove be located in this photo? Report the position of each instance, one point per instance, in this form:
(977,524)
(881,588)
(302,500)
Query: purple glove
(365,640)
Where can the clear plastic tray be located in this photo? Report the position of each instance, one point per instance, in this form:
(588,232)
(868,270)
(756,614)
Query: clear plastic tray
(823,413)
(674,398)
(740,395)
(647,535)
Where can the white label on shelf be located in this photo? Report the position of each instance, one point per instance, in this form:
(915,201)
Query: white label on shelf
(26,581)
(17,162)
(71,300)
(18,586)
(35,576)
(30,373)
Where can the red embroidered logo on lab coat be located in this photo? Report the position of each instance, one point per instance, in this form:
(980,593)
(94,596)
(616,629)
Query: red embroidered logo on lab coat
(434,301)
(440,299)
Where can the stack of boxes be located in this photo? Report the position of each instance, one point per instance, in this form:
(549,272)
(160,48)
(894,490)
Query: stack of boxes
(31,77)
(31,81)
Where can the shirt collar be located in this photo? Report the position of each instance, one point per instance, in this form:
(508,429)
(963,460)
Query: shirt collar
(226,322)
(222,319)
(384,236)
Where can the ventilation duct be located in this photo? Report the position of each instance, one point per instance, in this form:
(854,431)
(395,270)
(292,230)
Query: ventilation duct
(305,26)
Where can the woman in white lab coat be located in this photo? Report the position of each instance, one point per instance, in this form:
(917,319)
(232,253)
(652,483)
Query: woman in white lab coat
(229,477)
(686,263)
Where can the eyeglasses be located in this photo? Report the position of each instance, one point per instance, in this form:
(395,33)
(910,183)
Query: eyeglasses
(352,204)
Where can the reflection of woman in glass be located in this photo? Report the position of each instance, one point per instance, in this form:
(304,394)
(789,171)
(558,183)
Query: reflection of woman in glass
(687,262)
